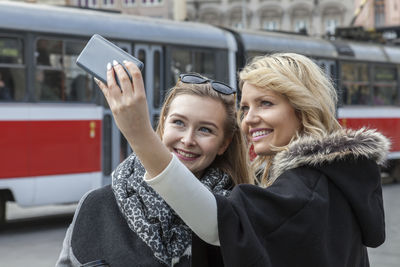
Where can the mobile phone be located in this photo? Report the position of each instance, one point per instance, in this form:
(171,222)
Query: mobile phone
(98,52)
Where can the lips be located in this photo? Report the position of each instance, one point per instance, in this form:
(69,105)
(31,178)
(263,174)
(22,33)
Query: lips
(257,134)
(185,155)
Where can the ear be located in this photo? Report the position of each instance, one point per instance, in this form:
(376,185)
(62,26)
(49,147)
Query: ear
(224,146)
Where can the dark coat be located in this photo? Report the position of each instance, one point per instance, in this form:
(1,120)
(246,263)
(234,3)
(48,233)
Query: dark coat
(324,208)
(99,232)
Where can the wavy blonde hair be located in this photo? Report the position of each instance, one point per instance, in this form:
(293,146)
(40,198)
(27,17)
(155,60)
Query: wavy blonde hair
(234,161)
(307,88)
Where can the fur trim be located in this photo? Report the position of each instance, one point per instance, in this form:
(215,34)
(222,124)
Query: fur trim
(314,151)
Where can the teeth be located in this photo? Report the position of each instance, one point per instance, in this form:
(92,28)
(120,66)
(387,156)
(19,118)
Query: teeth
(259,133)
(186,154)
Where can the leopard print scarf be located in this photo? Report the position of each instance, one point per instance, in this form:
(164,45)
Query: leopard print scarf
(150,217)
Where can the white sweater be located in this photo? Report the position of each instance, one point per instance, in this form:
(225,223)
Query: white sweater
(190,199)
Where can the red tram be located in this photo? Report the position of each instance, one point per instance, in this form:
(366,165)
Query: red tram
(57,136)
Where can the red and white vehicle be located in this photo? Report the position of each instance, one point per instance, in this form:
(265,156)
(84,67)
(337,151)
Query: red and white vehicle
(50,151)
(57,136)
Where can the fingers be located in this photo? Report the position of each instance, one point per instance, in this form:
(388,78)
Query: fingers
(112,85)
(126,84)
(137,78)
(123,78)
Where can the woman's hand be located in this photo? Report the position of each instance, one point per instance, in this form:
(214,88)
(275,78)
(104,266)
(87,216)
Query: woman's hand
(129,107)
(128,102)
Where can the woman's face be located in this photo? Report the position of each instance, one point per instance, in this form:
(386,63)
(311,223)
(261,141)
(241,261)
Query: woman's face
(268,118)
(194,131)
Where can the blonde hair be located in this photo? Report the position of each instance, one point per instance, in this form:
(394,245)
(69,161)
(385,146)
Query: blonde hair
(307,88)
(234,161)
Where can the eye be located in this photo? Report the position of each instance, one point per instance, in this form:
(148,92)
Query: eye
(178,122)
(243,111)
(205,130)
(266,103)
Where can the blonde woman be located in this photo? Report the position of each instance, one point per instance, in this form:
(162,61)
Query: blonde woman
(129,224)
(320,203)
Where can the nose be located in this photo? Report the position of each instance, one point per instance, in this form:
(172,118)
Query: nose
(188,138)
(251,117)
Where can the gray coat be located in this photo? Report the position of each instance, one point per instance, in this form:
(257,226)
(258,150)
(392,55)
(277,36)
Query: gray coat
(99,232)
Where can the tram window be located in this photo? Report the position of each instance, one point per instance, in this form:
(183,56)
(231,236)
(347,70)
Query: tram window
(204,64)
(58,78)
(355,84)
(385,81)
(49,53)
(142,57)
(181,63)
(156,119)
(79,84)
(185,61)
(157,79)
(12,69)
(48,85)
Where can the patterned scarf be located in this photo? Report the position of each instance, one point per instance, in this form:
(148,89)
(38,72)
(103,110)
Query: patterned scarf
(150,217)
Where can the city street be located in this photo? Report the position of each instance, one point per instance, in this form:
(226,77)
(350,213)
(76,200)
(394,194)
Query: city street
(33,237)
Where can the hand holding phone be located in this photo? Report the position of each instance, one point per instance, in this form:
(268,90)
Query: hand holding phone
(98,52)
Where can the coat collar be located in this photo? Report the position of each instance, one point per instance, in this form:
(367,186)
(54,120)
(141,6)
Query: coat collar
(313,151)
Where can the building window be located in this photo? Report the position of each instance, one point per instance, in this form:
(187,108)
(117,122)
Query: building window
(238,24)
(330,25)
(108,2)
(300,25)
(379,13)
(151,2)
(87,3)
(129,2)
(270,25)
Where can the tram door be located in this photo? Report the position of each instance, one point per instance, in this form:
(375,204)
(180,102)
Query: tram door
(153,75)
(115,146)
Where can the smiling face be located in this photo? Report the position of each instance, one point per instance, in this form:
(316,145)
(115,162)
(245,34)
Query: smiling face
(268,119)
(194,131)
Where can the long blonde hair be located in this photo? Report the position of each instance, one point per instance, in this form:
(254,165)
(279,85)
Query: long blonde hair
(307,88)
(234,161)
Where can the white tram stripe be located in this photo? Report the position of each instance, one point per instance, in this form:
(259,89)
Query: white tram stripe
(52,189)
(369,112)
(31,111)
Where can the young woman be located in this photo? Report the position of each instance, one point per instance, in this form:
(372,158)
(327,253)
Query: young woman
(134,226)
(321,199)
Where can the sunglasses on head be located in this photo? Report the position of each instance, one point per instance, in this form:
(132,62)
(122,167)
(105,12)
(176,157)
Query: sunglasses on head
(217,86)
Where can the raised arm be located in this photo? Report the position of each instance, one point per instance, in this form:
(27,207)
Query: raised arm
(192,201)
(129,108)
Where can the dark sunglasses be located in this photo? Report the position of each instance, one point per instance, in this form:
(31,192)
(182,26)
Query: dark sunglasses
(217,86)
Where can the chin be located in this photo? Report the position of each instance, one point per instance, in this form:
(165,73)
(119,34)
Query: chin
(264,152)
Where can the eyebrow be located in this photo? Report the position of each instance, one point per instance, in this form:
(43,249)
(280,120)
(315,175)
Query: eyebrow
(261,97)
(201,122)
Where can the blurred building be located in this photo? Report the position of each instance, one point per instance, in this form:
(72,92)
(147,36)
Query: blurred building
(151,8)
(374,14)
(316,17)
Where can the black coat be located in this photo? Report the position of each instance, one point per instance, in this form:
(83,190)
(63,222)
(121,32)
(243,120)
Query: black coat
(324,208)
(100,232)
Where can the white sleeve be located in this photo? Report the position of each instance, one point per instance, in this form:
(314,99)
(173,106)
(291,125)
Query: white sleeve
(190,199)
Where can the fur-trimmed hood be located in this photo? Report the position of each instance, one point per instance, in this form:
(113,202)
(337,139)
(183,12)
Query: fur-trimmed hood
(338,145)
(348,159)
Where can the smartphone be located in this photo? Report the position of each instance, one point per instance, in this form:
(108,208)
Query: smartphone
(98,52)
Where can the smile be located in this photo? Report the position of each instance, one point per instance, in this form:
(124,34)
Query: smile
(258,134)
(185,155)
